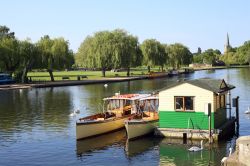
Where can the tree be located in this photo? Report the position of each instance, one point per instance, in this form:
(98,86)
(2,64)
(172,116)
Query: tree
(85,55)
(243,53)
(5,32)
(125,48)
(54,53)
(162,56)
(153,53)
(9,54)
(109,49)
(179,55)
(8,50)
(28,53)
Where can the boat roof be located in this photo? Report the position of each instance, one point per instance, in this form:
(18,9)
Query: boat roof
(132,97)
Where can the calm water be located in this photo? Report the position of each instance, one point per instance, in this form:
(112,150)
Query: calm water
(36,129)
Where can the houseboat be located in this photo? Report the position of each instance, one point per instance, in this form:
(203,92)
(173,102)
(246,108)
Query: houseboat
(146,118)
(195,109)
(116,110)
(6,79)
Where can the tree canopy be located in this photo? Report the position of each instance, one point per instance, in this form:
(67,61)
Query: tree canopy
(153,53)
(18,57)
(109,49)
(178,55)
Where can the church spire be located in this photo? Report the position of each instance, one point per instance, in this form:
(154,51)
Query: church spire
(227,46)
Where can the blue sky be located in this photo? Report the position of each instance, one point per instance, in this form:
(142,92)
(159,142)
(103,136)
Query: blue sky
(194,23)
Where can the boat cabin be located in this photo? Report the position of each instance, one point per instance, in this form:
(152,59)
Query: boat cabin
(185,105)
(130,104)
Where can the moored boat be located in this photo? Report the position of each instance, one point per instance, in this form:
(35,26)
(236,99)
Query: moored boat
(146,119)
(117,109)
(6,79)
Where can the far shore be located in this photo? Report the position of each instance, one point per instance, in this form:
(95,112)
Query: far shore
(99,80)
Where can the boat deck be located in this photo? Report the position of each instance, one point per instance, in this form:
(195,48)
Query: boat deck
(227,129)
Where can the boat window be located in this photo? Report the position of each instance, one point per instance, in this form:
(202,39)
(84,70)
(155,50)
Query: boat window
(184,103)
(127,102)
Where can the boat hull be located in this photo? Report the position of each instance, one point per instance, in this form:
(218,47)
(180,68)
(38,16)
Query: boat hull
(93,128)
(137,128)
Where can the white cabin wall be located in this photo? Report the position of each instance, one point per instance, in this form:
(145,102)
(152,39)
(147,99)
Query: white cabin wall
(202,96)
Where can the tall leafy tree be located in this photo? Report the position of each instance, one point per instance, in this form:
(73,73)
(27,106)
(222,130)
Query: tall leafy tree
(54,53)
(5,32)
(28,53)
(243,53)
(103,50)
(179,55)
(8,50)
(45,47)
(125,48)
(152,51)
(85,56)
(210,56)
(109,49)
(162,56)
(9,54)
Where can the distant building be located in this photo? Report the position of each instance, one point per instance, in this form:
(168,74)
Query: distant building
(227,46)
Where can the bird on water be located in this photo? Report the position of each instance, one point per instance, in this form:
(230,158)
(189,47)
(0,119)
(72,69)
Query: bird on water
(196,148)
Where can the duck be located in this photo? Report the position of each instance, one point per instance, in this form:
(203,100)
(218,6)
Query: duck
(196,148)
(247,111)
(105,85)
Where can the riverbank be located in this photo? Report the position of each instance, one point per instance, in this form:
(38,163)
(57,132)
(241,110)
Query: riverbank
(96,80)
(69,83)
(221,67)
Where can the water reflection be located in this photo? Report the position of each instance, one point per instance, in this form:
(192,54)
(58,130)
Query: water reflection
(139,146)
(174,152)
(100,142)
(24,111)
(37,123)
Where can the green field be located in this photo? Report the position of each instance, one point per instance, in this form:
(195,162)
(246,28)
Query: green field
(93,75)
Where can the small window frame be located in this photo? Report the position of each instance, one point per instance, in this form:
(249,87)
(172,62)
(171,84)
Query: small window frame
(183,101)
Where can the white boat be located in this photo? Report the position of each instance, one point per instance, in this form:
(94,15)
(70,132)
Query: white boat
(146,119)
(118,109)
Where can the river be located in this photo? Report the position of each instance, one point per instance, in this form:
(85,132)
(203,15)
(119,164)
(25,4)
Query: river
(36,129)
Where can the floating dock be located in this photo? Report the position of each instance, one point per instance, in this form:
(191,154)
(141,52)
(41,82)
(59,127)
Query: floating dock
(225,130)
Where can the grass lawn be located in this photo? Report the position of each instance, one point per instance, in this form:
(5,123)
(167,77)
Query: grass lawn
(93,75)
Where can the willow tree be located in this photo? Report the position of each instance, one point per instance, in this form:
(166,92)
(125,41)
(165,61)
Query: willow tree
(9,54)
(54,53)
(103,49)
(178,55)
(153,53)
(28,53)
(108,49)
(85,56)
(162,56)
(126,50)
